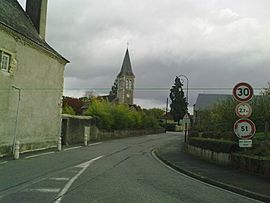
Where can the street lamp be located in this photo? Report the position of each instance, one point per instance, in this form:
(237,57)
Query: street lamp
(187,84)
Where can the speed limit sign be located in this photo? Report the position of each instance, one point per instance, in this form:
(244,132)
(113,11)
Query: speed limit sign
(243,92)
(244,128)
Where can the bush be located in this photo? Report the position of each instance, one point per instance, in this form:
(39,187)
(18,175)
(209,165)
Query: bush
(120,116)
(216,145)
(170,127)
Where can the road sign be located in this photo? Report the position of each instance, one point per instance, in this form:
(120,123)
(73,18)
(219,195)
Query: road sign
(244,128)
(242,92)
(245,143)
(243,110)
(186,119)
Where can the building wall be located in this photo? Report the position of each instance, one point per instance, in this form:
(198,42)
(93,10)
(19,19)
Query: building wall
(40,77)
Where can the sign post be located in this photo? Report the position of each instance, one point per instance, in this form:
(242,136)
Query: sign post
(186,121)
(244,128)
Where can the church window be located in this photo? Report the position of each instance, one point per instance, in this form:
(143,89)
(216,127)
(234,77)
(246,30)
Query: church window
(4,61)
(130,84)
(127,84)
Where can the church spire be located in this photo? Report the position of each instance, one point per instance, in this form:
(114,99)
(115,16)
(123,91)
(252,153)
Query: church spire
(126,66)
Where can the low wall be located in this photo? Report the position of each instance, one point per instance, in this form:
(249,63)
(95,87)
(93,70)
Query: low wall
(220,158)
(254,164)
(96,134)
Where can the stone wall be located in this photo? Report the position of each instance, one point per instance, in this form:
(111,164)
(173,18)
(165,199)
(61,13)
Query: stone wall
(255,165)
(97,134)
(73,130)
(220,158)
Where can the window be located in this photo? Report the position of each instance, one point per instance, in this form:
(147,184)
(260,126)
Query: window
(127,84)
(4,61)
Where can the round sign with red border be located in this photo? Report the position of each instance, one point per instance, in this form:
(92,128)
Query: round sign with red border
(244,128)
(243,92)
(243,110)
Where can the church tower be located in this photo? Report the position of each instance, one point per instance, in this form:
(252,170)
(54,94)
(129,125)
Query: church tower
(125,82)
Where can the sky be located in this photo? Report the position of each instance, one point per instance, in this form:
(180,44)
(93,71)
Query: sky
(214,43)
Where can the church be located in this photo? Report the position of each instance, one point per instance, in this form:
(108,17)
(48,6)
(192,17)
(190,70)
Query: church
(123,89)
(125,82)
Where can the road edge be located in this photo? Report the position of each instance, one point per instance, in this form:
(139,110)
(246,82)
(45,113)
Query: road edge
(210,181)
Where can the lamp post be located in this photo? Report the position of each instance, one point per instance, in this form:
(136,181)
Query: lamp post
(187,84)
(186,124)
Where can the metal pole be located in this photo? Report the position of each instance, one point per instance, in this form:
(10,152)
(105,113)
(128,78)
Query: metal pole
(16,122)
(166,119)
(187,84)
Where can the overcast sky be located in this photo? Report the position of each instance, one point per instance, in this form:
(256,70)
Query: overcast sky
(215,43)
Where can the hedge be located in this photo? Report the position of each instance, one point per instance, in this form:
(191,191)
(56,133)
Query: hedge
(216,145)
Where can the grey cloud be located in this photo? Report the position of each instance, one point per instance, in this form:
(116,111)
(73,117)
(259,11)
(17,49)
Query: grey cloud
(215,44)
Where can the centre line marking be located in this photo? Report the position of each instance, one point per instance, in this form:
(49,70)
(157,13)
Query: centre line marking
(84,166)
(4,162)
(29,157)
(72,148)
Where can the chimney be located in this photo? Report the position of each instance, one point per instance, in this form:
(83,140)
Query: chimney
(37,11)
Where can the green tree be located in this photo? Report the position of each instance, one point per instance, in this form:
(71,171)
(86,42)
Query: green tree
(266,90)
(113,92)
(68,110)
(179,103)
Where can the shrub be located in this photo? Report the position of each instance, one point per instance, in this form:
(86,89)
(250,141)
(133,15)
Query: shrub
(170,127)
(216,145)
(120,116)
(68,110)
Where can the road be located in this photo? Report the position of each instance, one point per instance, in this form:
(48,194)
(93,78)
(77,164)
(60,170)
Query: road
(122,170)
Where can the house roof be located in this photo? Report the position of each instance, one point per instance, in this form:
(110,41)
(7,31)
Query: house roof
(205,101)
(126,66)
(15,18)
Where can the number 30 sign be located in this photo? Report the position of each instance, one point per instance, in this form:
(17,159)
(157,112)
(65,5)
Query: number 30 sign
(243,92)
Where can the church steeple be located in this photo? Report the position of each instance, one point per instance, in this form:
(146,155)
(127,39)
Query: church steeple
(125,82)
(126,66)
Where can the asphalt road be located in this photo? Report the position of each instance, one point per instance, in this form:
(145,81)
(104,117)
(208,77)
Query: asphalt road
(122,170)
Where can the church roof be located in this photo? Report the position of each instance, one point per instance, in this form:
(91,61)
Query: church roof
(15,18)
(126,67)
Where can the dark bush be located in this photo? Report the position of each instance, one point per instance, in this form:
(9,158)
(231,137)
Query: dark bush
(170,127)
(216,145)
(193,133)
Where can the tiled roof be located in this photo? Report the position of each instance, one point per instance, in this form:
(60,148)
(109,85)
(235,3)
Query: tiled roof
(15,18)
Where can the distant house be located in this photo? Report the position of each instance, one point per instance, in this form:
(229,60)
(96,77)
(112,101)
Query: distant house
(31,78)
(206,101)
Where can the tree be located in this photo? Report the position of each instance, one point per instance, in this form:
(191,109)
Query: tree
(113,92)
(75,103)
(266,90)
(179,103)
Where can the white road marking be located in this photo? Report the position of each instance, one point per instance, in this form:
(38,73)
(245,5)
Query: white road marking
(33,156)
(95,144)
(46,190)
(72,148)
(4,162)
(213,186)
(84,166)
(59,179)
